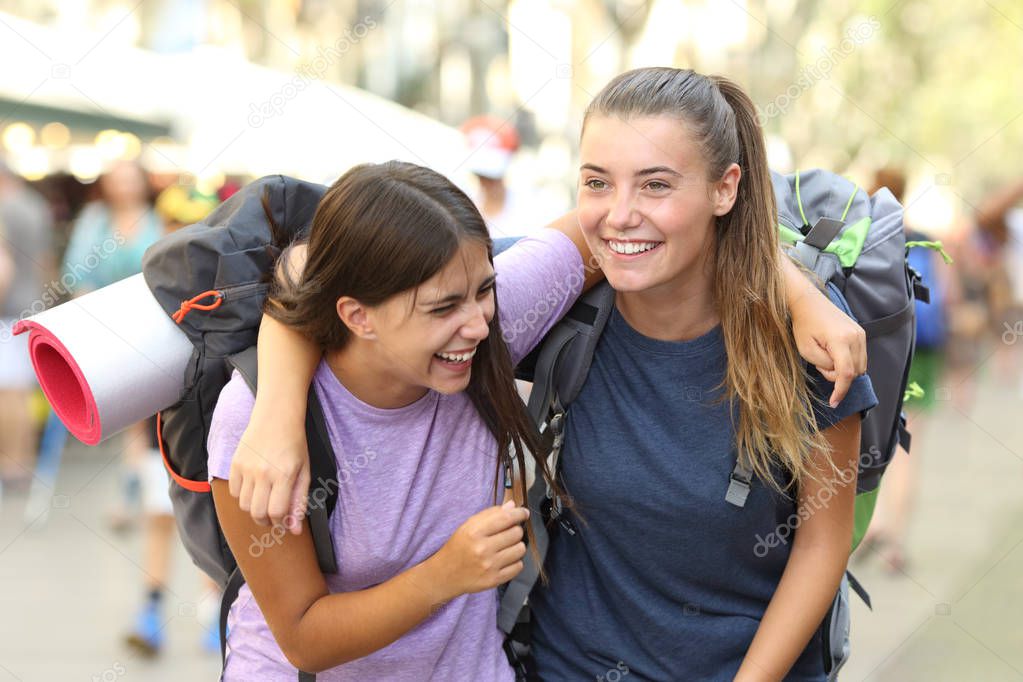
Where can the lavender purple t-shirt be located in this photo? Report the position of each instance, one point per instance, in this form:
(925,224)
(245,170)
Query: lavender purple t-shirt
(409,477)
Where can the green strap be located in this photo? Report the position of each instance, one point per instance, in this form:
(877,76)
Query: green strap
(934,246)
(799,201)
(856,188)
(913,391)
(847,246)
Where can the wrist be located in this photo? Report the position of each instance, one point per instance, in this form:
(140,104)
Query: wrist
(432,577)
(800,296)
(282,412)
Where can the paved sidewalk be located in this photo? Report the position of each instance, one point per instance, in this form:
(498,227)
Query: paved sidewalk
(954,612)
(70,587)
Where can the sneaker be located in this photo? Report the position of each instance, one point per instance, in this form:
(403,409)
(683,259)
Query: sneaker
(147,637)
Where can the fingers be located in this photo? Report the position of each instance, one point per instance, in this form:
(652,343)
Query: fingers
(817,355)
(496,519)
(299,500)
(260,499)
(506,538)
(234,479)
(278,506)
(510,555)
(845,372)
(509,572)
(245,494)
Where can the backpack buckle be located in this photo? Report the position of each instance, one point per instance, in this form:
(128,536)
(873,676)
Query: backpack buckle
(738,488)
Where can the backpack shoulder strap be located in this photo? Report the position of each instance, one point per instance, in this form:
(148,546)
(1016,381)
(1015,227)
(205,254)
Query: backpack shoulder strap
(561,367)
(322,464)
(567,351)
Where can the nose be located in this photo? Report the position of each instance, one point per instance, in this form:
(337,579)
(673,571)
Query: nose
(477,326)
(622,213)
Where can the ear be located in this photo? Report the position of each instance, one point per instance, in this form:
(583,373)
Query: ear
(726,189)
(356,317)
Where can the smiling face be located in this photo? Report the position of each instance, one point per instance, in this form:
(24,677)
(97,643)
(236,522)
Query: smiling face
(427,337)
(646,207)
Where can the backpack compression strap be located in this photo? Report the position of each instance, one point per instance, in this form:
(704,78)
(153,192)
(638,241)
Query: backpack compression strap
(561,368)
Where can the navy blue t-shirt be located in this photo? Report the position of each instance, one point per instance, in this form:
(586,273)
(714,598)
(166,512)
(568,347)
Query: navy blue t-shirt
(662,577)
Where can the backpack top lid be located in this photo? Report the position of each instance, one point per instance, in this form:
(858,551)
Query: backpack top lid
(805,197)
(229,256)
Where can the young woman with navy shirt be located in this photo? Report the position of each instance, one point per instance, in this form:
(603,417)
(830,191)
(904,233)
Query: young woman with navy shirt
(695,368)
(662,577)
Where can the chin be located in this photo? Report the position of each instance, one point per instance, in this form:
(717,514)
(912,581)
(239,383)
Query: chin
(628,281)
(450,387)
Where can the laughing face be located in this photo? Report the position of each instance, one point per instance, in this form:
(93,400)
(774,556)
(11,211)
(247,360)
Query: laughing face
(427,338)
(646,207)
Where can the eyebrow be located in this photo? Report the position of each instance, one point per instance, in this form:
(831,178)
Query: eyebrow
(645,171)
(454,298)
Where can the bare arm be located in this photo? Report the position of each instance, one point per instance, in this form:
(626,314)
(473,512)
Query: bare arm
(266,481)
(991,213)
(270,469)
(568,225)
(819,556)
(316,629)
(825,336)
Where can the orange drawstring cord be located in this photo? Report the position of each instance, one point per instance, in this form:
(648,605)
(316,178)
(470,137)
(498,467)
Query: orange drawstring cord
(193,304)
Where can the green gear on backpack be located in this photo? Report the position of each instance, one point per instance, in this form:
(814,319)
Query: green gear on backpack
(913,391)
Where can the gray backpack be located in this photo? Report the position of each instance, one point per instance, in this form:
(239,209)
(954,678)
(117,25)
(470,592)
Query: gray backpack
(851,241)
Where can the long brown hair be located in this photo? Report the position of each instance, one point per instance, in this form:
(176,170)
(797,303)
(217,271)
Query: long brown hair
(381,230)
(765,377)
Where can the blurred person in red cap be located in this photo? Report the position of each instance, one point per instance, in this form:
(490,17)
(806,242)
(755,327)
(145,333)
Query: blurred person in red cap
(493,143)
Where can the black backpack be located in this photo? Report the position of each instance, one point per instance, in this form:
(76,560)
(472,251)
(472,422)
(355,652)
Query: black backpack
(213,278)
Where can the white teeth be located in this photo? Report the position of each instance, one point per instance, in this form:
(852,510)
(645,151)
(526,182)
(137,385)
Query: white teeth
(457,357)
(628,248)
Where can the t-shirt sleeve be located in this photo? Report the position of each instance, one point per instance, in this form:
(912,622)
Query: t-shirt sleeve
(860,398)
(230,417)
(538,280)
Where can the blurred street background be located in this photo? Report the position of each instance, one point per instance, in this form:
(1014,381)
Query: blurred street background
(122,121)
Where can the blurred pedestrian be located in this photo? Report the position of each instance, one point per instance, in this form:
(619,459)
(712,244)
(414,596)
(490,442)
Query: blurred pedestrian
(26,243)
(1000,219)
(508,211)
(888,530)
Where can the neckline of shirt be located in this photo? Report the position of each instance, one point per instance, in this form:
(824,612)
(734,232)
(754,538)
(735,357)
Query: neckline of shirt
(328,380)
(693,347)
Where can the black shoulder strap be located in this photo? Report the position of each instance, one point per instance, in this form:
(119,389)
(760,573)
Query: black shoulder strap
(322,464)
(567,351)
(323,491)
(561,367)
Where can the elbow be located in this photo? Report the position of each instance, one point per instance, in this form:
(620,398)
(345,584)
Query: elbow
(307,658)
(304,660)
